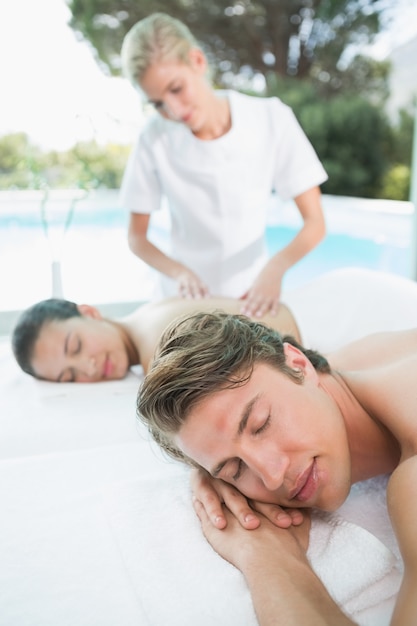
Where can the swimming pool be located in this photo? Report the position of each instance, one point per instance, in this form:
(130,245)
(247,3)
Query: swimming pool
(97,266)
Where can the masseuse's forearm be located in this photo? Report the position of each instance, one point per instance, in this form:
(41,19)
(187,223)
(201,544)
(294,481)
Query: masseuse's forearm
(310,235)
(305,240)
(154,257)
(291,594)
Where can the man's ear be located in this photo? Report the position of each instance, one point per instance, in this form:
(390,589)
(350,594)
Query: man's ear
(89,311)
(296,359)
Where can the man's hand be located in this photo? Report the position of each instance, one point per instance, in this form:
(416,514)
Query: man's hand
(213,492)
(243,548)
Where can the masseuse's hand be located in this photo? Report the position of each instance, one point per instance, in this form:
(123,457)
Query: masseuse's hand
(212,492)
(267,542)
(190,285)
(264,295)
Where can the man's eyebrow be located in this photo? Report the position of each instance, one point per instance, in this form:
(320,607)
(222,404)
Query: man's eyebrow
(241,428)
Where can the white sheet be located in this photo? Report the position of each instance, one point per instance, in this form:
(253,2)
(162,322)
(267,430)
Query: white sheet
(66,451)
(181,581)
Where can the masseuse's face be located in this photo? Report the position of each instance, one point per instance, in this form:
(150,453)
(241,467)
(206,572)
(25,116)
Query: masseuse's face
(275,440)
(80,349)
(179,91)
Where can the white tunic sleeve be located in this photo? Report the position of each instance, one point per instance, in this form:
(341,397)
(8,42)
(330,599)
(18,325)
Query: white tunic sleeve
(141,190)
(297,167)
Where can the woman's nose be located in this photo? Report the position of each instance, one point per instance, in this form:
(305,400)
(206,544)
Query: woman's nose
(91,366)
(173,109)
(86,367)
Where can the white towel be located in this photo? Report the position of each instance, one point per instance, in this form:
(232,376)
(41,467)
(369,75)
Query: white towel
(181,581)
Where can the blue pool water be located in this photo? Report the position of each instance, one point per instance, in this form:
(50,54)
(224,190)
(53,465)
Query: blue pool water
(97,266)
(341,250)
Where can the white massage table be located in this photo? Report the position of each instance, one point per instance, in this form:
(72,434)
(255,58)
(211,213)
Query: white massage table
(97,529)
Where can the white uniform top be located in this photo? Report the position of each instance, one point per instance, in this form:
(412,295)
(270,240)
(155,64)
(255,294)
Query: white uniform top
(218,191)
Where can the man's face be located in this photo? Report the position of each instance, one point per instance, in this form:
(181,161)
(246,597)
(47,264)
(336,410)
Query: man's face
(275,440)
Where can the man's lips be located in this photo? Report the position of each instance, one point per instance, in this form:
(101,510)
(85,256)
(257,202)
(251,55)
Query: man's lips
(306,484)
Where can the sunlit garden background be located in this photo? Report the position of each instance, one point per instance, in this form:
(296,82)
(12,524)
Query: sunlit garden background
(320,57)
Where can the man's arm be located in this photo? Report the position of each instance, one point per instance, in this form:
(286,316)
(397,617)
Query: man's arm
(402,506)
(283,586)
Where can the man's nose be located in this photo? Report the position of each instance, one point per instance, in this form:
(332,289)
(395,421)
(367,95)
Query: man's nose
(270,468)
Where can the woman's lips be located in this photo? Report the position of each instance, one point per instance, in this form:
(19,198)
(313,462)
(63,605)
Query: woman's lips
(307,484)
(108,368)
(187,118)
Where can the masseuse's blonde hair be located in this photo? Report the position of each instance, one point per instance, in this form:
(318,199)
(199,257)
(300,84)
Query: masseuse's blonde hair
(158,37)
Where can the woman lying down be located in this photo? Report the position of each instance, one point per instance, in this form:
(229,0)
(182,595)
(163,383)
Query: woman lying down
(61,341)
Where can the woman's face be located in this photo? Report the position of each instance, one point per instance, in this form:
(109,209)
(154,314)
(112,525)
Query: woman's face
(180,91)
(80,349)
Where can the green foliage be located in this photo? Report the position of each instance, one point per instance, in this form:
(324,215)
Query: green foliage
(357,137)
(85,166)
(397,179)
(396,183)
(285,37)
(363,155)
(362,75)
(403,137)
(20,163)
(352,137)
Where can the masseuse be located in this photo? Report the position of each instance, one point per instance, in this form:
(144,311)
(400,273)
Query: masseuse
(215,156)
(61,341)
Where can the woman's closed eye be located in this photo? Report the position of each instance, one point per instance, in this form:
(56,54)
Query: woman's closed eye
(76,347)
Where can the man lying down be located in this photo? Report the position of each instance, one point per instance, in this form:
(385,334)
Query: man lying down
(61,344)
(262,416)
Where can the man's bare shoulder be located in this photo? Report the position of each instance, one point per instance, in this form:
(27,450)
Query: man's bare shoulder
(380,371)
(375,350)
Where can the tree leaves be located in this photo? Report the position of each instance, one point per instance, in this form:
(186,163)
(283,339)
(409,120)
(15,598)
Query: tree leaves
(282,37)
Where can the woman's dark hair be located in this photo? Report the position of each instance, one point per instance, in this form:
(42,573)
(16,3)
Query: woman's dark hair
(30,324)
